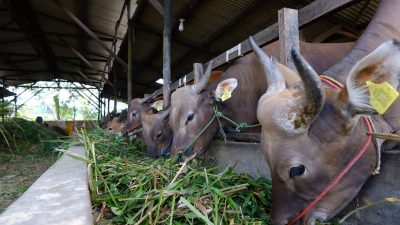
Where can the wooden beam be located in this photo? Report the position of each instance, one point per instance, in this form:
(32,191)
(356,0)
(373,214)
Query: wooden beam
(198,71)
(93,35)
(157,6)
(167,52)
(53,33)
(288,20)
(307,14)
(80,56)
(209,39)
(130,40)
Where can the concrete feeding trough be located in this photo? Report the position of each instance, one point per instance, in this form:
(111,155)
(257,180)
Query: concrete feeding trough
(59,197)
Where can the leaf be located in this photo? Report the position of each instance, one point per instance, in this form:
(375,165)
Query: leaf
(116,211)
(195,211)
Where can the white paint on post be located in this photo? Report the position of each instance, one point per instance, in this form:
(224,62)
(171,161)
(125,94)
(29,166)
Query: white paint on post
(288,21)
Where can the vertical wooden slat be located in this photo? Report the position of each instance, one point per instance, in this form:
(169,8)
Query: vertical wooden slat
(129,70)
(288,21)
(167,52)
(198,71)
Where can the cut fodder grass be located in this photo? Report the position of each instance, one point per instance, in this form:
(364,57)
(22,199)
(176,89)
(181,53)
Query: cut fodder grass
(129,188)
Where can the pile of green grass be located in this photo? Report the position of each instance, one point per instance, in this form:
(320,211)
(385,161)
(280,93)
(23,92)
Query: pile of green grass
(135,189)
(19,135)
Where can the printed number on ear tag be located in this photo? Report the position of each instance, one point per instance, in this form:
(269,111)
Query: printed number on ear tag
(227,95)
(159,108)
(382,96)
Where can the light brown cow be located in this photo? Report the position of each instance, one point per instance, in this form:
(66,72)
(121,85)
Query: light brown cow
(310,132)
(117,124)
(157,134)
(134,120)
(192,106)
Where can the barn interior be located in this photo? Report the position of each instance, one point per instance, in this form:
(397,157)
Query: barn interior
(86,41)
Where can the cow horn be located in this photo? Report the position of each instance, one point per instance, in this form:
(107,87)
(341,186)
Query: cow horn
(201,85)
(312,84)
(275,80)
(145,99)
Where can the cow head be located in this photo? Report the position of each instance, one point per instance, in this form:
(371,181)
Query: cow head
(191,111)
(117,124)
(157,134)
(137,107)
(311,132)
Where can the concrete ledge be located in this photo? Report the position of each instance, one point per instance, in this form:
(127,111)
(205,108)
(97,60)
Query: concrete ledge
(59,197)
(243,157)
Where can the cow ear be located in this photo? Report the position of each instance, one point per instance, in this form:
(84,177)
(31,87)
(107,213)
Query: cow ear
(158,105)
(373,82)
(225,88)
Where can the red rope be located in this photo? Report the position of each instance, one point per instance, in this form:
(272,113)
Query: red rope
(343,172)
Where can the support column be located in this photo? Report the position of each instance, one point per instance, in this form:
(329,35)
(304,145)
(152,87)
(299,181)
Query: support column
(129,70)
(198,71)
(167,52)
(288,21)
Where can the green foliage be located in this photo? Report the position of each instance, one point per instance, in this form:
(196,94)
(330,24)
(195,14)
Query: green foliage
(20,134)
(6,109)
(140,190)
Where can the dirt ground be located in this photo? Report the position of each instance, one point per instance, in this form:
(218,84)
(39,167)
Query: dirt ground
(19,173)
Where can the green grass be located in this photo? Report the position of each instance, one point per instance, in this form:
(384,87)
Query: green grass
(129,188)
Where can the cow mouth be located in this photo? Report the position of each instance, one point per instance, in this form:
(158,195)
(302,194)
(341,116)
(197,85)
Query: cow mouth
(314,217)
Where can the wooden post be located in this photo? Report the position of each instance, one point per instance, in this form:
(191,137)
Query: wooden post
(198,71)
(108,104)
(129,70)
(167,52)
(288,21)
(99,106)
(115,87)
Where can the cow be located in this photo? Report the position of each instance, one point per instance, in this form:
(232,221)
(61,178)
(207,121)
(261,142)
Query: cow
(310,132)
(117,124)
(156,133)
(134,120)
(192,105)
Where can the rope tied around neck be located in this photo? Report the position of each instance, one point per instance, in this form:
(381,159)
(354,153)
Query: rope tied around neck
(217,114)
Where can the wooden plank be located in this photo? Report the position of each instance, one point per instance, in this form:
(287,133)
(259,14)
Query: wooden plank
(157,6)
(306,14)
(129,69)
(198,71)
(288,35)
(167,52)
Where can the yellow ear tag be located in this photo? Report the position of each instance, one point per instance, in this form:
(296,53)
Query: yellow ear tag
(227,95)
(159,107)
(382,96)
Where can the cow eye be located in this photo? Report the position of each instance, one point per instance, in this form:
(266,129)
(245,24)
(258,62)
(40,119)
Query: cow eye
(159,135)
(189,118)
(296,170)
(134,114)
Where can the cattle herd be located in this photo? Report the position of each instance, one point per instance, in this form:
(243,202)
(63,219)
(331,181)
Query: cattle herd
(310,129)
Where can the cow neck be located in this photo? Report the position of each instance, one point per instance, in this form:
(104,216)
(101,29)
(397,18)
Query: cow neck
(336,85)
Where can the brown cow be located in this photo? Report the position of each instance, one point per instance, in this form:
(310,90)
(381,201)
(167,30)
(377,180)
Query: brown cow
(192,106)
(310,132)
(134,121)
(157,134)
(117,124)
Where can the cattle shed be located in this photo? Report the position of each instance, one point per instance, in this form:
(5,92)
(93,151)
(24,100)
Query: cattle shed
(125,49)
(86,41)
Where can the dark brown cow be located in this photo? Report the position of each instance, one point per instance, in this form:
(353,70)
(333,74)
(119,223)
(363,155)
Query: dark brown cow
(310,132)
(192,106)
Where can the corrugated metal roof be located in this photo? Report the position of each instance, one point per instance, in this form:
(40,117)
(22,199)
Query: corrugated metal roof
(21,61)
(211,27)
